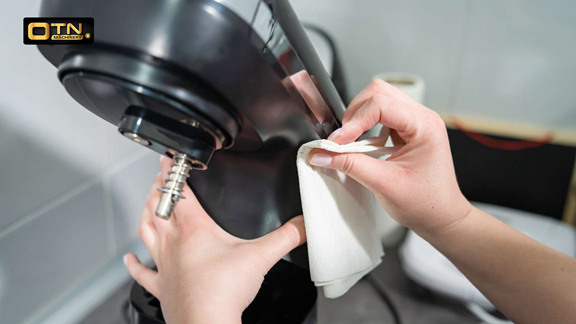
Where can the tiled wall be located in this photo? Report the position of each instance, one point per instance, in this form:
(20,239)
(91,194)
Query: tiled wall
(71,188)
(509,60)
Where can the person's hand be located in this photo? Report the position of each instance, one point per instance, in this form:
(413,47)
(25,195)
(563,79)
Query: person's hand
(205,275)
(417,184)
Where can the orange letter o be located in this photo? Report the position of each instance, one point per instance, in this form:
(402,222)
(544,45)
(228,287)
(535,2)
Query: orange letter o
(46,27)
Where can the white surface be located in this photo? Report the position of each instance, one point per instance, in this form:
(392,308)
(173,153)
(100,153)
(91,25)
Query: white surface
(510,60)
(340,217)
(411,84)
(428,267)
(415,36)
(518,63)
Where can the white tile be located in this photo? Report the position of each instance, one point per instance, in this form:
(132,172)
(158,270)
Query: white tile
(518,63)
(417,36)
(129,188)
(45,257)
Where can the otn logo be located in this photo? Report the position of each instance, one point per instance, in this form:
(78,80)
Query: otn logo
(58,31)
(47,26)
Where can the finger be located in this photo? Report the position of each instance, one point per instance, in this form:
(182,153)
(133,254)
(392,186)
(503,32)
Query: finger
(380,109)
(144,277)
(147,216)
(280,242)
(162,226)
(370,172)
(149,236)
(189,210)
(158,183)
(376,87)
(165,166)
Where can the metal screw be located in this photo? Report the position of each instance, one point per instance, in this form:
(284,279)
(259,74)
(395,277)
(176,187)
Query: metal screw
(172,190)
(136,138)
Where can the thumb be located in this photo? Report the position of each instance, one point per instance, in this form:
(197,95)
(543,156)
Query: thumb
(369,171)
(275,245)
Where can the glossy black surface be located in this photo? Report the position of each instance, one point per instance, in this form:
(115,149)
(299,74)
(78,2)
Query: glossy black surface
(164,133)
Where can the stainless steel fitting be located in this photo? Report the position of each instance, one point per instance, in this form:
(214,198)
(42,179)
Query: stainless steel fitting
(172,190)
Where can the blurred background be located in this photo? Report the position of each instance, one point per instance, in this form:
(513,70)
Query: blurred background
(72,188)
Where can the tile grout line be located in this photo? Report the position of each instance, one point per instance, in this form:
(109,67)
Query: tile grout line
(458,61)
(40,315)
(69,194)
(47,207)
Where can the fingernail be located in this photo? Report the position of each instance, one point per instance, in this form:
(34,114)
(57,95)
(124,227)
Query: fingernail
(125,259)
(335,134)
(321,160)
(161,157)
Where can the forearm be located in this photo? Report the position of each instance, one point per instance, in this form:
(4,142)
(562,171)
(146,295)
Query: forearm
(527,281)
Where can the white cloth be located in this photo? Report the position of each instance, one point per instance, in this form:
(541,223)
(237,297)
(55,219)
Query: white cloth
(340,218)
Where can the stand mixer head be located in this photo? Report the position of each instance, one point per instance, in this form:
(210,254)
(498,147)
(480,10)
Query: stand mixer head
(203,80)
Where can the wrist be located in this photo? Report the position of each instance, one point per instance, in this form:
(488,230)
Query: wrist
(456,219)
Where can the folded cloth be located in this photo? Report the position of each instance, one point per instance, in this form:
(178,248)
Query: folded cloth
(340,218)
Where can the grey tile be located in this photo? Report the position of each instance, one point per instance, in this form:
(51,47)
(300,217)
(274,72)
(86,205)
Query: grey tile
(117,146)
(129,188)
(46,256)
(49,143)
(31,176)
(518,63)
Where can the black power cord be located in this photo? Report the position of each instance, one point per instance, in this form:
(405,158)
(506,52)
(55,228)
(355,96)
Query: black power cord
(385,298)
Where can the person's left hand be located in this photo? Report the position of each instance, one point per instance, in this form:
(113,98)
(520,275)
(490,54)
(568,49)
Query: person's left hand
(205,275)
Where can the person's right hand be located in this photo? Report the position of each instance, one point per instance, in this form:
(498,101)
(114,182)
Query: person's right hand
(417,184)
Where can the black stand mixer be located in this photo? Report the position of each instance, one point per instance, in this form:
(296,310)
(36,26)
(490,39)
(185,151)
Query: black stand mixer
(229,88)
